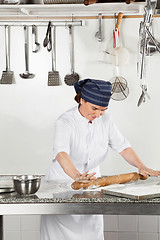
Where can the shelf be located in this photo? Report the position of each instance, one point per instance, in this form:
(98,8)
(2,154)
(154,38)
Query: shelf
(49,11)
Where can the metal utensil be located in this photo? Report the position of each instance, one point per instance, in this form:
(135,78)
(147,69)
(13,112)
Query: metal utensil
(147,46)
(27,74)
(49,45)
(72,78)
(141,99)
(46,40)
(35,44)
(6,189)
(120,89)
(98,34)
(151,48)
(53,76)
(143,95)
(10,2)
(119,83)
(26,184)
(7,75)
(154,41)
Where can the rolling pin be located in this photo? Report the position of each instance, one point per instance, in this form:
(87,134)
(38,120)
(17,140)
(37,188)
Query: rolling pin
(108,180)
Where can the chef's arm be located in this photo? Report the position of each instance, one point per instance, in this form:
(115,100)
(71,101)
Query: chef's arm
(131,157)
(69,168)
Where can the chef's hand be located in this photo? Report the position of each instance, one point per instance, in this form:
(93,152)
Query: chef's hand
(85,177)
(148,172)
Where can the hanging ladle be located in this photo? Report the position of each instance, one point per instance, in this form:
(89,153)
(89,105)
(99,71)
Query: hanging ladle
(26,48)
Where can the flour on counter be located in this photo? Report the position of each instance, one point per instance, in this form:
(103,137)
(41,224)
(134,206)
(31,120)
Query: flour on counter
(59,189)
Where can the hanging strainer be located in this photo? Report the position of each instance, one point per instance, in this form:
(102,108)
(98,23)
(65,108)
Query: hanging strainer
(120,89)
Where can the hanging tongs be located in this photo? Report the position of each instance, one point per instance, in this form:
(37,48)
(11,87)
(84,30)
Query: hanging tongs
(144,94)
(47,41)
(141,64)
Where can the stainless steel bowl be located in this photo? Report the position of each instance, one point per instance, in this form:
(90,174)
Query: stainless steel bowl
(26,184)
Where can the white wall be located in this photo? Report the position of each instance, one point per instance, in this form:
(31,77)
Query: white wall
(29,108)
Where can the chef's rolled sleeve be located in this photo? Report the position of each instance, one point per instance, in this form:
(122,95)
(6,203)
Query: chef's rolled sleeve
(62,134)
(116,140)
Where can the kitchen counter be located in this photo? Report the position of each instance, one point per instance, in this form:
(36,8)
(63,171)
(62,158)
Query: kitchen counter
(57,197)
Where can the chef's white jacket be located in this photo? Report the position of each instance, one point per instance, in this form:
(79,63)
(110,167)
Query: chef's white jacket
(87,145)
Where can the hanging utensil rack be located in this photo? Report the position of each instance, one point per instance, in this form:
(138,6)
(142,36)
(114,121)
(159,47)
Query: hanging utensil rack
(44,23)
(20,15)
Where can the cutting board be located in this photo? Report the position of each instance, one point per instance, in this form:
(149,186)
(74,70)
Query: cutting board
(147,189)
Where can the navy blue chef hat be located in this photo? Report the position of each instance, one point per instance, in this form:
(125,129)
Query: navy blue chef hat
(97,92)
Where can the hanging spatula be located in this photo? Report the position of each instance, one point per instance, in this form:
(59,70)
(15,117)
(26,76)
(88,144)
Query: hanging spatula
(53,76)
(7,75)
(73,77)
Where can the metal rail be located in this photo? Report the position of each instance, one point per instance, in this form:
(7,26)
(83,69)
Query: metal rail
(20,23)
(105,208)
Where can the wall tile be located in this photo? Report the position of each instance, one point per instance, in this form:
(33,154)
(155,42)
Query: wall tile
(128,236)
(148,224)
(30,235)
(148,236)
(24,227)
(12,223)
(128,223)
(30,222)
(111,236)
(12,235)
(111,223)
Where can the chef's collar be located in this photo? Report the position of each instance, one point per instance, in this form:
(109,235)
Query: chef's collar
(81,118)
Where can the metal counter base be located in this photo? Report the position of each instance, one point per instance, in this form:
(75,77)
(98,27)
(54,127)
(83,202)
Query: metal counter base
(81,208)
(78,208)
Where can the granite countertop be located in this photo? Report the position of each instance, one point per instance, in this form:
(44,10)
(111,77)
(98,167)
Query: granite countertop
(61,192)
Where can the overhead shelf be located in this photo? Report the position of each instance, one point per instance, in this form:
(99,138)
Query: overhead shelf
(47,11)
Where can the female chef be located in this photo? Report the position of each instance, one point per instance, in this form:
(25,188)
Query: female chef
(81,140)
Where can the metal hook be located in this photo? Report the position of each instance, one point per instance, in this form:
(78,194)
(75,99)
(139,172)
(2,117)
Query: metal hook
(99,32)
(65,25)
(72,18)
(115,20)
